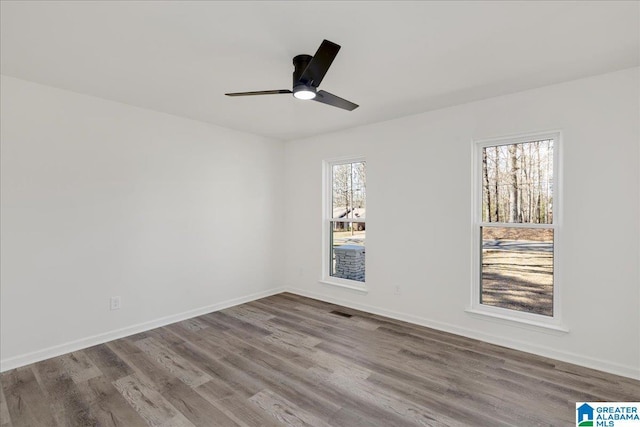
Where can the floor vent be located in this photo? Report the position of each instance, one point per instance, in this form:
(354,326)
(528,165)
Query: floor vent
(339,313)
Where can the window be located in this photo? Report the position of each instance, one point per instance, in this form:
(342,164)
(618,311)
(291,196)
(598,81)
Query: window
(345,222)
(516,228)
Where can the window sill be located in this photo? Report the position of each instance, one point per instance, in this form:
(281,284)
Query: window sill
(360,288)
(529,324)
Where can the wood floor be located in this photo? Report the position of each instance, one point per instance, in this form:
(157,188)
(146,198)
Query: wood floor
(289,360)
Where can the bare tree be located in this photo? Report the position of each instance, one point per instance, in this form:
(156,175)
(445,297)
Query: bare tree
(496,179)
(359,184)
(342,187)
(513,188)
(486,191)
(549,213)
(539,186)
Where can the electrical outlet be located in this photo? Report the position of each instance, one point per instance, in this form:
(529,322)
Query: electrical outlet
(114,303)
(396,290)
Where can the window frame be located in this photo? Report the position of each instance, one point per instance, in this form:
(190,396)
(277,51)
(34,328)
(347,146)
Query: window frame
(327,218)
(537,320)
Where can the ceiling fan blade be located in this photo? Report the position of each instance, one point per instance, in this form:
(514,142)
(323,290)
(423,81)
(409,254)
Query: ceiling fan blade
(320,63)
(260,92)
(335,101)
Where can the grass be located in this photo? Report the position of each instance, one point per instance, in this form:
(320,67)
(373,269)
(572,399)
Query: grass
(518,280)
(347,238)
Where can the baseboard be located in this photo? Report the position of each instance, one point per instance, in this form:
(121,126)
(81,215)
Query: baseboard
(57,350)
(588,362)
(36,356)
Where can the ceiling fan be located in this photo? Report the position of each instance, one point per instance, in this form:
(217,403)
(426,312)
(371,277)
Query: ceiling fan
(307,75)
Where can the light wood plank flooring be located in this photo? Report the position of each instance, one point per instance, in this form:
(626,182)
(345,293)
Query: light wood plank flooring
(289,360)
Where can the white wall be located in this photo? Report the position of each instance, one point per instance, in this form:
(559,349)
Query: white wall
(102,199)
(180,217)
(420,166)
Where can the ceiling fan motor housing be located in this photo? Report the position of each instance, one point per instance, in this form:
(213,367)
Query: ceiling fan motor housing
(300,62)
(302,89)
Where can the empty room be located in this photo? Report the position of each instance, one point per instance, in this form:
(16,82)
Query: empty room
(320,213)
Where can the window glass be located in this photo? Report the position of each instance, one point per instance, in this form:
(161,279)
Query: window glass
(348,190)
(348,250)
(517,183)
(517,269)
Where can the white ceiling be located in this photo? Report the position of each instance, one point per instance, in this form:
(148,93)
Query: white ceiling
(397,58)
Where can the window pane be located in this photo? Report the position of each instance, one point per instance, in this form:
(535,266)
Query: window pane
(517,269)
(349,190)
(517,183)
(347,250)
(359,197)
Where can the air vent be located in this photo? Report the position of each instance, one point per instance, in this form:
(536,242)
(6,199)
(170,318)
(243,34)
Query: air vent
(340,313)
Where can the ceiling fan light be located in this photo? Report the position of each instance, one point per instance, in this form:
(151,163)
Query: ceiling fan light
(304,92)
